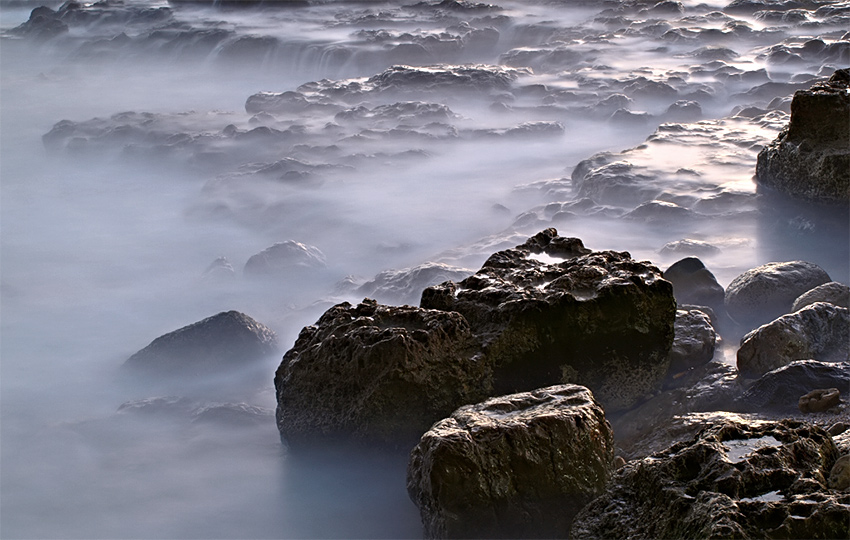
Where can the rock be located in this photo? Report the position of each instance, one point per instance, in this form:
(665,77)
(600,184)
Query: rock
(693,283)
(832,292)
(686,246)
(839,476)
(378,374)
(549,312)
(220,270)
(733,480)
(225,341)
(764,293)
(233,415)
(820,331)
(694,341)
(777,391)
(810,159)
(515,466)
(819,400)
(661,213)
(285,257)
(405,286)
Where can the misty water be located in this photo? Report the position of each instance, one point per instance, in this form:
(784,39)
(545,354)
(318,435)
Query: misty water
(110,222)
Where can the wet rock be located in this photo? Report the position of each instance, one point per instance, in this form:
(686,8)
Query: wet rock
(693,283)
(683,111)
(225,341)
(819,400)
(405,286)
(820,331)
(43,24)
(763,293)
(516,466)
(832,292)
(662,213)
(377,373)
(810,159)
(694,342)
(839,476)
(778,391)
(617,183)
(734,480)
(220,270)
(232,415)
(283,258)
(548,312)
(686,246)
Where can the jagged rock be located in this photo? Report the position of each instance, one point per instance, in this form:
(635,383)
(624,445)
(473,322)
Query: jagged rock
(764,293)
(819,400)
(733,480)
(820,331)
(694,341)
(549,312)
(693,283)
(515,466)
(778,391)
(810,159)
(832,292)
(377,373)
(284,257)
(228,340)
(406,285)
(839,476)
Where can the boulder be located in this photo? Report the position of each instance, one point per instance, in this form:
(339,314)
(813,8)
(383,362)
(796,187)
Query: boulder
(820,331)
(225,341)
(810,159)
(693,283)
(515,466)
(778,391)
(405,286)
(550,311)
(839,476)
(283,258)
(377,374)
(733,480)
(832,292)
(693,344)
(819,400)
(764,293)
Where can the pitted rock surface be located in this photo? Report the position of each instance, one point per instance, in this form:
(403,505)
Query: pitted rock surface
(549,311)
(513,466)
(377,373)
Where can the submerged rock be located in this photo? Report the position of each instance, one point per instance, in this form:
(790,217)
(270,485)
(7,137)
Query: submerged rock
(515,466)
(832,292)
(734,480)
(549,312)
(228,340)
(378,374)
(820,331)
(810,159)
(406,285)
(763,293)
(285,257)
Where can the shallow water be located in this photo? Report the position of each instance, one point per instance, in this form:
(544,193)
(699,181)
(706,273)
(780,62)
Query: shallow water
(105,238)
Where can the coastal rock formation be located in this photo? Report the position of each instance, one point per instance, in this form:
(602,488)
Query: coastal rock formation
(377,373)
(820,331)
(285,257)
(694,342)
(810,159)
(733,480)
(405,286)
(228,340)
(819,400)
(762,294)
(693,283)
(777,391)
(514,466)
(832,292)
(550,311)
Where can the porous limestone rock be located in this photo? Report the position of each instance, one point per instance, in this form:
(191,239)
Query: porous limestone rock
(819,400)
(514,466)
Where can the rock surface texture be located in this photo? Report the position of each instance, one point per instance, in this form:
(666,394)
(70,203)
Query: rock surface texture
(515,466)
(810,159)
(694,342)
(820,331)
(377,373)
(693,283)
(778,390)
(832,292)
(285,257)
(762,294)
(550,311)
(734,480)
(227,340)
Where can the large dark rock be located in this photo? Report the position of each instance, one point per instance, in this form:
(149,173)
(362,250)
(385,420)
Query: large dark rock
(694,342)
(768,291)
(734,480)
(225,341)
(693,283)
(516,466)
(550,311)
(777,391)
(810,159)
(820,331)
(377,374)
